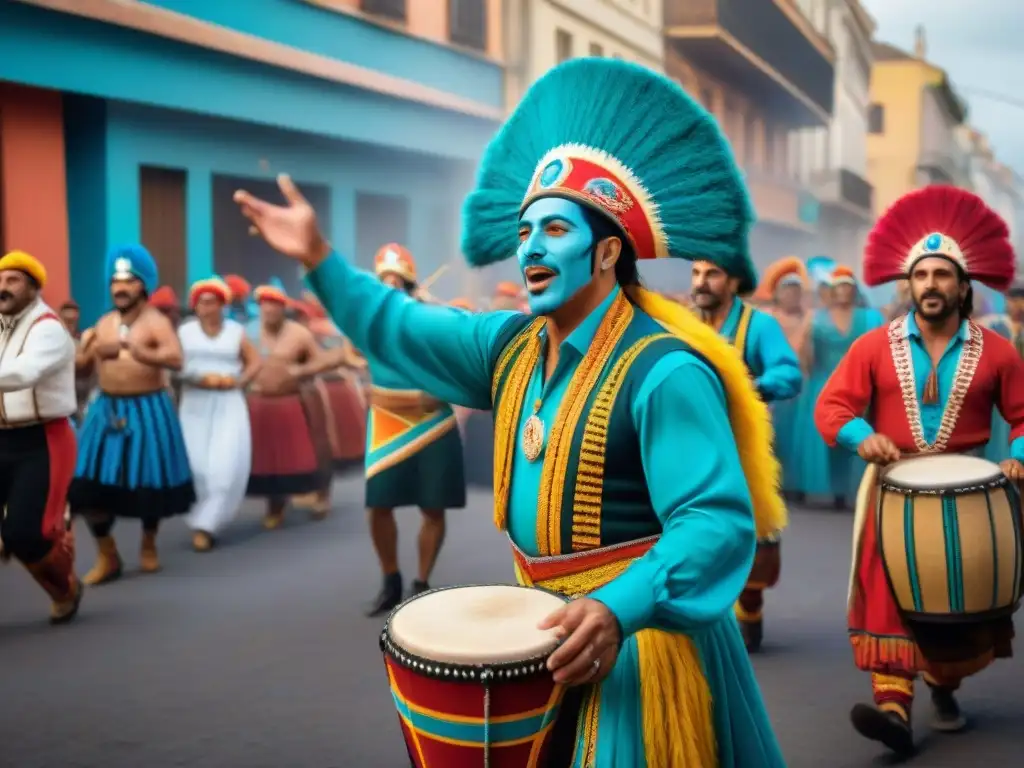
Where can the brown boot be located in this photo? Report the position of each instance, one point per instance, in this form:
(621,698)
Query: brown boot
(108,563)
(149,561)
(55,574)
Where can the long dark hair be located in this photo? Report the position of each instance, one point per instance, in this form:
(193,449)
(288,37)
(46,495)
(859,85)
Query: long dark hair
(626,272)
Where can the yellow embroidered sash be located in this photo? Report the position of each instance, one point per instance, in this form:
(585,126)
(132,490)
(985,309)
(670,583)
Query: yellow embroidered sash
(678,721)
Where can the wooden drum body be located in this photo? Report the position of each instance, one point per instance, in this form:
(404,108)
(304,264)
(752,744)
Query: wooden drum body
(467,669)
(949,533)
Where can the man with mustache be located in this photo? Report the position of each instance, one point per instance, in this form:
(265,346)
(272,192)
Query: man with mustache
(775,368)
(597,395)
(37,441)
(928,383)
(132,460)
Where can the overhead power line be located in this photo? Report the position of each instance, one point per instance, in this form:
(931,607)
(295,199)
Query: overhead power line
(983,93)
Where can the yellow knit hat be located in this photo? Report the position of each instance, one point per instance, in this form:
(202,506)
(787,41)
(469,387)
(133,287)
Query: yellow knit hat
(30,265)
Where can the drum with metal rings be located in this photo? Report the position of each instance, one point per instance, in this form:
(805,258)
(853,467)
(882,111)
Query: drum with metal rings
(949,533)
(468,675)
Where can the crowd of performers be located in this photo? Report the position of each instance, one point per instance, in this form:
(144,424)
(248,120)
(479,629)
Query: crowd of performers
(597,391)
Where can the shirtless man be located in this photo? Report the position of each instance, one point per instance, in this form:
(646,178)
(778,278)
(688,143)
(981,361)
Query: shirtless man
(291,451)
(132,460)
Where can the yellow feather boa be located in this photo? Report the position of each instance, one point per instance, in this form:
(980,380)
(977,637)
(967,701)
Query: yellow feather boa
(748,414)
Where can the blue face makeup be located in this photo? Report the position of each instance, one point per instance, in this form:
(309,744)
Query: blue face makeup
(555,252)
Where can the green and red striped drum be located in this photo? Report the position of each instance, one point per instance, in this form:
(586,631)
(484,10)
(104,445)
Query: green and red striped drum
(467,670)
(949,533)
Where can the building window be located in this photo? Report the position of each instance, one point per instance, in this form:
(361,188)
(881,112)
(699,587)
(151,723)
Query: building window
(876,119)
(390,9)
(563,45)
(596,49)
(468,23)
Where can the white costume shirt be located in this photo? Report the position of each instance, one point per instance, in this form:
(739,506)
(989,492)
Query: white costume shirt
(37,367)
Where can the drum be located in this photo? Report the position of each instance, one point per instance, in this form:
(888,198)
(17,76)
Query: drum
(467,669)
(949,533)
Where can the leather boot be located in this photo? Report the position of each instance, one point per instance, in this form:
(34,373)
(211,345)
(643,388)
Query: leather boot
(388,598)
(56,575)
(108,565)
(149,561)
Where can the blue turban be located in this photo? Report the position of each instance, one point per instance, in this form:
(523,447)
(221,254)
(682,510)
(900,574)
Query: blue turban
(127,262)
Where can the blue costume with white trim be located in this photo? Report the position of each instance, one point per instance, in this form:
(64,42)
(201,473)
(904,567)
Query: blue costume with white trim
(132,460)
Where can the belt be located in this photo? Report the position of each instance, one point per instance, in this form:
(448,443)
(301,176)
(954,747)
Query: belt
(405,402)
(579,573)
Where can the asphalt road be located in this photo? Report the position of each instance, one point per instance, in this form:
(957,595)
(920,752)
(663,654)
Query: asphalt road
(257,655)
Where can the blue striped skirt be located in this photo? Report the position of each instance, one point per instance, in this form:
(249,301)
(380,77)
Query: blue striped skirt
(132,460)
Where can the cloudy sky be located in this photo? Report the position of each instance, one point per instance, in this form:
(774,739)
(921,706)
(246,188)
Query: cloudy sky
(978,43)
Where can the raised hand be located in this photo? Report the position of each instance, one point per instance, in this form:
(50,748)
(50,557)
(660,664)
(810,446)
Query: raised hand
(290,229)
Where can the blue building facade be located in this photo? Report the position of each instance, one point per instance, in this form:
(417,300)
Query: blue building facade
(170,105)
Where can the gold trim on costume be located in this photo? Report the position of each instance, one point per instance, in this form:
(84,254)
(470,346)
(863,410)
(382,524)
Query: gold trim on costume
(556,459)
(586,507)
(966,367)
(675,698)
(508,409)
(743,329)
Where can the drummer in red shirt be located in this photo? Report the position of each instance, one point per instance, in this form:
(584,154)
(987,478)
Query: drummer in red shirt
(928,382)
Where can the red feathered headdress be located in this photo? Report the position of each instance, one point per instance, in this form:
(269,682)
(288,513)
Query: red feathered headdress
(940,221)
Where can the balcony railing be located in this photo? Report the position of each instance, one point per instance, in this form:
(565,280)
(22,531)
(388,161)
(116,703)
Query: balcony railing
(844,187)
(763,48)
(938,168)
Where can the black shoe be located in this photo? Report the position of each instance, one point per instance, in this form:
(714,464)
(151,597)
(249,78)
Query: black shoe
(887,727)
(947,716)
(418,587)
(388,598)
(753,633)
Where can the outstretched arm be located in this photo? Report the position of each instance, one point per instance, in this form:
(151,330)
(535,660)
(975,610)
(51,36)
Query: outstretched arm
(693,575)
(839,412)
(439,349)
(782,378)
(443,350)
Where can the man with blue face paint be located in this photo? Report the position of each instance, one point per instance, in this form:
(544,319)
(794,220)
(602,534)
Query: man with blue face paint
(599,400)
(775,368)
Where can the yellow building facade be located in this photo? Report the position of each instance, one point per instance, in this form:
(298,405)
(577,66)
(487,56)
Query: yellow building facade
(912,126)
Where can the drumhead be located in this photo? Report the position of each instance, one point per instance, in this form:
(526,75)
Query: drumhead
(942,471)
(476,624)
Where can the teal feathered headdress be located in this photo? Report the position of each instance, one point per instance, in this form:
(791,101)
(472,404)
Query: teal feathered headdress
(627,142)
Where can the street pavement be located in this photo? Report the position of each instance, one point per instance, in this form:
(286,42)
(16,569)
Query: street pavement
(257,655)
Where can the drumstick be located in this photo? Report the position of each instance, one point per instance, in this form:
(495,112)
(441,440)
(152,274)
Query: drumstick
(433,278)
